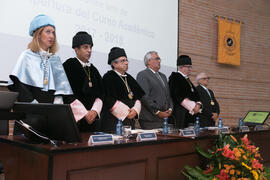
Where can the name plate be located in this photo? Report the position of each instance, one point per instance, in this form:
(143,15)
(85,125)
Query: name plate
(244,129)
(101,139)
(146,137)
(259,128)
(224,130)
(188,132)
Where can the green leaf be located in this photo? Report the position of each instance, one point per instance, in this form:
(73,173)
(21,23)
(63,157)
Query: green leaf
(195,173)
(187,175)
(203,153)
(199,169)
(267,170)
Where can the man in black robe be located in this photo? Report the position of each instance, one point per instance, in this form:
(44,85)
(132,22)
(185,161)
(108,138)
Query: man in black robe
(85,81)
(210,111)
(122,92)
(184,94)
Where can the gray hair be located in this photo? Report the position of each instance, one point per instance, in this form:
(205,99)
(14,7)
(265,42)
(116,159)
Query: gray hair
(148,56)
(113,61)
(200,75)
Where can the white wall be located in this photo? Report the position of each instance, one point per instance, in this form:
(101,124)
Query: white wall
(137,26)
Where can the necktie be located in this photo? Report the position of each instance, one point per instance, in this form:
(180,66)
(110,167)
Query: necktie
(208,93)
(158,76)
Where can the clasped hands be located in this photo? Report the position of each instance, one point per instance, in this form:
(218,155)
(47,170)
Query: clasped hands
(131,114)
(197,108)
(164,114)
(90,116)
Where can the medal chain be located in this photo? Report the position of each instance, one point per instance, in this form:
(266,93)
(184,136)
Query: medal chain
(188,80)
(45,66)
(87,73)
(124,79)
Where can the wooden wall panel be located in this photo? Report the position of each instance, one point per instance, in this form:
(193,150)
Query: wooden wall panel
(165,173)
(128,170)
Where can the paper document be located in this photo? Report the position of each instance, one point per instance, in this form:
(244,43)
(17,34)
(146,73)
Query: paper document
(188,104)
(78,109)
(120,110)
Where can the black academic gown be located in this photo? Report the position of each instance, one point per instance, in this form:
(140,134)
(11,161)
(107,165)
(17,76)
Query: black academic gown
(208,109)
(28,93)
(115,89)
(80,86)
(180,89)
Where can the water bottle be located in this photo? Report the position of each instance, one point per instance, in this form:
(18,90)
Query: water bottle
(165,126)
(119,127)
(220,124)
(240,123)
(197,126)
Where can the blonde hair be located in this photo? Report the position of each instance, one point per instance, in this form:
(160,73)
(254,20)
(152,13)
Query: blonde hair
(34,44)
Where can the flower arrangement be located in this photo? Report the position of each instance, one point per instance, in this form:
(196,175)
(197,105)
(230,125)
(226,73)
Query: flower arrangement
(231,159)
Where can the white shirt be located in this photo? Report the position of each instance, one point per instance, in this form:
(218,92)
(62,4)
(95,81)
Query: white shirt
(124,75)
(152,70)
(208,92)
(83,63)
(185,76)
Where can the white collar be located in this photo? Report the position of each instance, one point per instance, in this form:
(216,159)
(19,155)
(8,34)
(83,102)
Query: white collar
(83,63)
(45,54)
(152,70)
(185,76)
(124,75)
(204,87)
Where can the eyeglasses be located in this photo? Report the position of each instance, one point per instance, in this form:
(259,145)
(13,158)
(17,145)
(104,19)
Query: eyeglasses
(188,66)
(206,78)
(157,58)
(121,60)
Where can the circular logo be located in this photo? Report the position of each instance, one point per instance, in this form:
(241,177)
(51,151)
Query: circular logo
(229,43)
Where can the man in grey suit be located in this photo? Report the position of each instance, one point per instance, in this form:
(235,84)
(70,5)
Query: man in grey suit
(156,103)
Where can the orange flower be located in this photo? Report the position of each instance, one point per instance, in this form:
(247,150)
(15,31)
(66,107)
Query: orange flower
(256,165)
(257,155)
(227,152)
(219,149)
(233,138)
(245,140)
(209,170)
(228,168)
(232,171)
(237,153)
(251,148)
(223,175)
(245,157)
(241,150)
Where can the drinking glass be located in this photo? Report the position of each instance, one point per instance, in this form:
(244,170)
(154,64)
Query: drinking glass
(126,131)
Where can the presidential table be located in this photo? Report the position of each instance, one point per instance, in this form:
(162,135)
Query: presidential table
(126,159)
